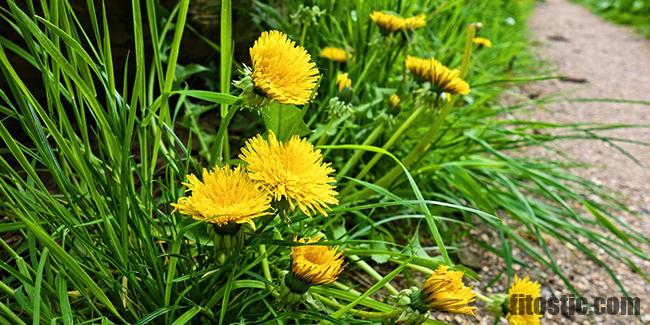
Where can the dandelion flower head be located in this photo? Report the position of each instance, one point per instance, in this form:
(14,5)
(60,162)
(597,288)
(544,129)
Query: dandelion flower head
(282,70)
(481,41)
(343,81)
(316,264)
(335,54)
(394,100)
(293,170)
(444,291)
(392,23)
(519,289)
(442,78)
(224,196)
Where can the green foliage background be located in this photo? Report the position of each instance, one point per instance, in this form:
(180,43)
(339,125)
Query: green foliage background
(629,12)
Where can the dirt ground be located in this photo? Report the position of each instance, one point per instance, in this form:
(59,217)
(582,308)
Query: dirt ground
(602,61)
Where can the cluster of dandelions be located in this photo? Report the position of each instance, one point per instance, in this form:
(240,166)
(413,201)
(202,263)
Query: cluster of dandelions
(280,177)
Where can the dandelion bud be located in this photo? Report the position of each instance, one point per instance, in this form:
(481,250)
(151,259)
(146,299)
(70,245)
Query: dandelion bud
(335,54)
(343,81)
(498,304)
(313,265)
(394,100)
(444,291)
(482,42)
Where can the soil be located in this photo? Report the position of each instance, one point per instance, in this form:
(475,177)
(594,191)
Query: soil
(600,61)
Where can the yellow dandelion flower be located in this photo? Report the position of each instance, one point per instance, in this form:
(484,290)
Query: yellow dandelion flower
(442,78)
(387,22)
(420,67)
(335,54)
(413,23)
(522,296)
(394,100)
(481,41)
(343,81)
(444,291)
(293,170)
(316,264)
(224,196)
(391,23)
(282,70)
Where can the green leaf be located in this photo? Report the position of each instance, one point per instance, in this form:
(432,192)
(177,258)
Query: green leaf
(341,311)
(187,316)
(73,266)
(185,71)
(379,244)
(64,302)
(605,222)
(284,120)
(209,96)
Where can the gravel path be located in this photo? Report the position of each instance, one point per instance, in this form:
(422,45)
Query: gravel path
(613,62)
(602,61)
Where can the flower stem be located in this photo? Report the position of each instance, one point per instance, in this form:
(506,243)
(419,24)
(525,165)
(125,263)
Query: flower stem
(324,137)
(265,263)
(361,313)
(357,154)
(221,137)
(364,266)
(407,123)
(425,143)
(415,154)
(225,69)
(483,298)
(467,52)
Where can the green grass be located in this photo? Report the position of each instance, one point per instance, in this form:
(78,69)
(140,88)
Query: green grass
(625,12)
(92,161)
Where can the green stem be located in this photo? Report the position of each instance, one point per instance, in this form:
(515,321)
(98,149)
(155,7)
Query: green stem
(336,140)
(222,134)
(342,287)
(7,290)
(467,52)
(303,34)
(407,123)
(226,50)
(357,154)
(324,138)
(415,154)
(371,271)
(10,314)
(483,298)
(226,60)
(265,263)
(361,313)
(425,143)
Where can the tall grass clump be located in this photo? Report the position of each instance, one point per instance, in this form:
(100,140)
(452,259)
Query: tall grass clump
(334,177)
